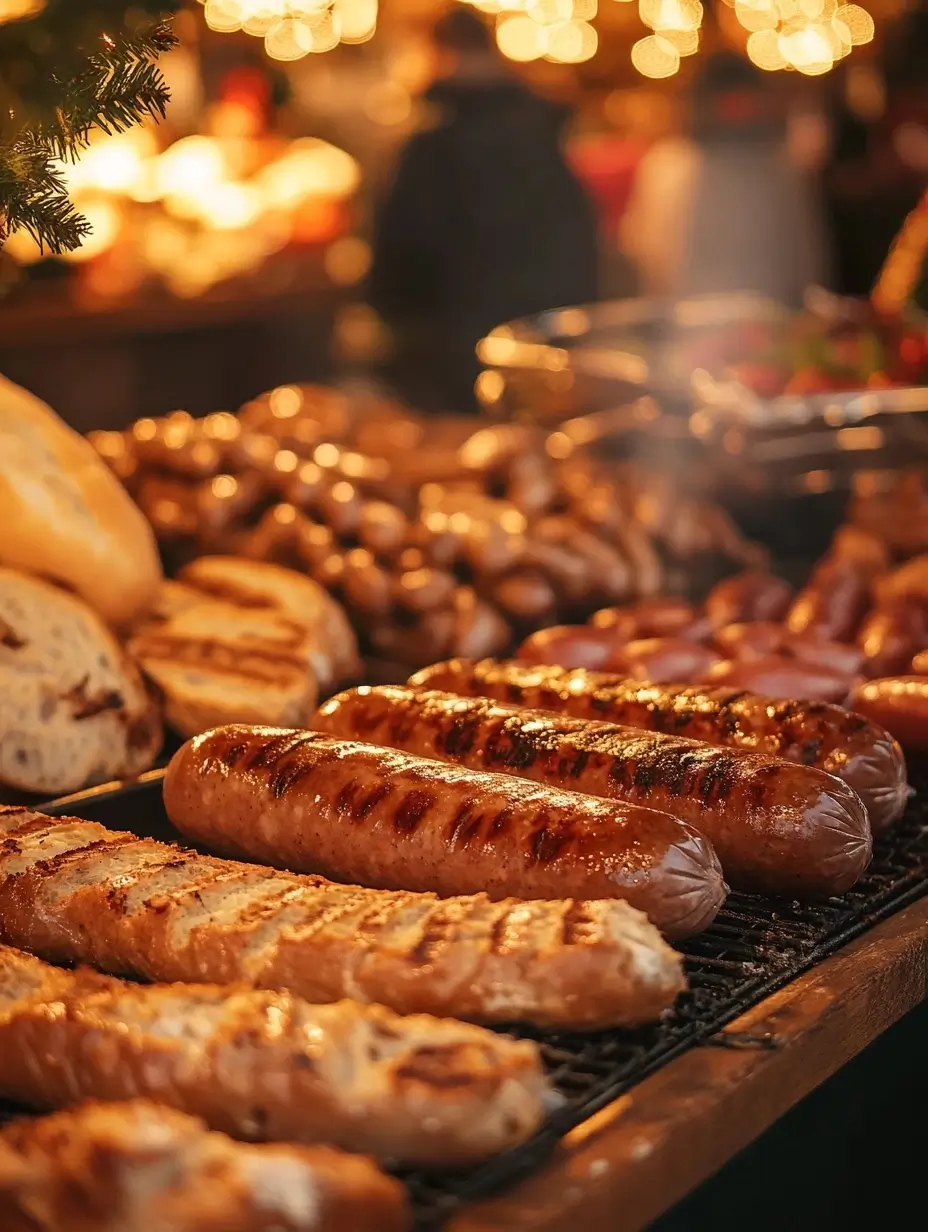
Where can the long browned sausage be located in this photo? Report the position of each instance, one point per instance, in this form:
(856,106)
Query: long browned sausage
(828,737)
(778,828)
(378,818)
(74,891)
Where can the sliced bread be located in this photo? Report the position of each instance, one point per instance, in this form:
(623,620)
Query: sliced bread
(73,709)
(218,663)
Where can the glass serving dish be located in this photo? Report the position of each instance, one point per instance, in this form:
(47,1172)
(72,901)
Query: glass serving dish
(735,393)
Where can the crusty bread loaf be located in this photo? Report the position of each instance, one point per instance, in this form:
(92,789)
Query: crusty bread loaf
(138,1167)
(250,583)
(268,1065)
(66,516)
(73,708)
(217,663)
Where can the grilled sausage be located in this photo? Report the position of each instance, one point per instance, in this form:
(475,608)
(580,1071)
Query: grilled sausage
(898,703)
(73,891)
(667,617)
(664,659)
(778,828)
(832,603)
(267,1065)
(383,819)
(861,753)
(779,676)
(760,638)
(139,1167)
(920,663)
(890,636)
(753,595)
(571,646)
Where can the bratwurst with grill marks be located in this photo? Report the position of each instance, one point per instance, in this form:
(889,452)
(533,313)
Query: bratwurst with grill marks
(778,828)
(849,746)
(380,818)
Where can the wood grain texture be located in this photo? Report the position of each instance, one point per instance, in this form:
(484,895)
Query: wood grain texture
(647,1150)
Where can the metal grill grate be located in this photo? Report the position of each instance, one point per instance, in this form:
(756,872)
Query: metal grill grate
(754,947)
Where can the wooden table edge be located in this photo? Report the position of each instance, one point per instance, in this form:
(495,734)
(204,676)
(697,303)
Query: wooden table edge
(649,1148)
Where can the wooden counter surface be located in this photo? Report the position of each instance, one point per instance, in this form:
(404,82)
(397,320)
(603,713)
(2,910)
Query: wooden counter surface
(646,1151)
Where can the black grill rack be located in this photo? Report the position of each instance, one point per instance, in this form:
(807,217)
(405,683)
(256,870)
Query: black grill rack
(755,946)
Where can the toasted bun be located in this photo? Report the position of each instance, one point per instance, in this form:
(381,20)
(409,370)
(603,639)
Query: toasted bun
(252,583)
(216,663)
(73,709)
(65,516)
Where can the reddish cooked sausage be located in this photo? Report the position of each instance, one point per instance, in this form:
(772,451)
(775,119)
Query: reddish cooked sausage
(647,618)
(571,646)
(664,659)
(760,638)
(898,703)
(920,663)
(778,828)
(779,676)
(354,813)
(747,596)
(832,603)
(861,753)
(890,636)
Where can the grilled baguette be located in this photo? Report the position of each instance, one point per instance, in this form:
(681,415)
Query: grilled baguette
(139,1167)
(267,1065)
(71,890)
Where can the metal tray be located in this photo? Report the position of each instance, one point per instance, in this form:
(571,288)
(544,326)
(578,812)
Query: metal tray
(755,946)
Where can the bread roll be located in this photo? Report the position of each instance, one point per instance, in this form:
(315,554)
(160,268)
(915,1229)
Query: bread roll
(66,516)
(73,709)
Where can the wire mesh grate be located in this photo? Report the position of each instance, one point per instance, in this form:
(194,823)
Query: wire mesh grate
(755,946)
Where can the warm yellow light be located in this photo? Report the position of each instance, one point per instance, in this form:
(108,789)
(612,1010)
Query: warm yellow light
(763,49)
(310,168)
(190,167)
(388,103)
(685,41)
(572,42)
(289,38)
(550,12)
(671,14)
(14,10)
(520,38)
(20,245)
(231,206)
(105,220)
(585,10)
(358,19)
(347,260)
(808,49)
(757,14)
(224,16)
(858,21)
(655,57)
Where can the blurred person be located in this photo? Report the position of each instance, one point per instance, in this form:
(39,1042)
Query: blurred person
(484,221)
(724,206)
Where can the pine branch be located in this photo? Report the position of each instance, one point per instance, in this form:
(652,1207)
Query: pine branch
(79,65)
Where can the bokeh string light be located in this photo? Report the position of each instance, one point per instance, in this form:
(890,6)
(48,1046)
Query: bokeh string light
(292,29)
(555,30)
(810,36)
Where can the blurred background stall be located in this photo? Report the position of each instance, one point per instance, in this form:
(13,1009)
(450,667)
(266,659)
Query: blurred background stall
(232,244)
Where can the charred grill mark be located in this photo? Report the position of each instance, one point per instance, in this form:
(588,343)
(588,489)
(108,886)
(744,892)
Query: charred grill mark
(574,764)
(509,745)
(265,754)
(59,863)
(10,638)
(345,802)
(437,930)
(231,756)
(460,736)
(548,838)
(365,805)
(296,768)
(460,822)
(760,783)
(575,924)
(498,931)
(412,810)
(710,775)
(500,821)
(445,1066)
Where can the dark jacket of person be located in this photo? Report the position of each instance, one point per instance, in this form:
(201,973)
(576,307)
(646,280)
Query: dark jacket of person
(484,222)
